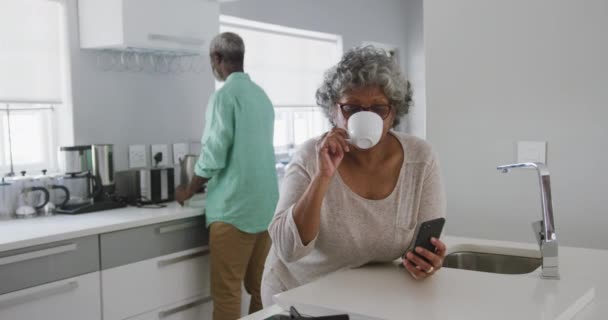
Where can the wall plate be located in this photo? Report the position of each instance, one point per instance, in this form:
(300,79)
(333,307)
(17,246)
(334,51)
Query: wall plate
(179,151)
(164,150)
(139,156)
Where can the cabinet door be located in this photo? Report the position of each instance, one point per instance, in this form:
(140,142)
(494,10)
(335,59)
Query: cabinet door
(170,24)
(33,266)
(70,299)
(198,308)
(138,244)
(147,285)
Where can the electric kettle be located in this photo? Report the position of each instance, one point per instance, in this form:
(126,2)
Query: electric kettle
(31,195)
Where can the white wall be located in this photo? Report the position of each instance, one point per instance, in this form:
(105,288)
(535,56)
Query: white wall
(132,108)
(415,66)
(502,71)
(137,108)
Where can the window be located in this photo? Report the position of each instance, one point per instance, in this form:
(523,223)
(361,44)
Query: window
(32,61)
(289,64)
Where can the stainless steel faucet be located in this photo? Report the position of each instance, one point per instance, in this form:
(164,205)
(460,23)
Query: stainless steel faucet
(544,229)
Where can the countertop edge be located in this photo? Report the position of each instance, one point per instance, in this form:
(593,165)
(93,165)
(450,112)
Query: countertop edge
(96,230)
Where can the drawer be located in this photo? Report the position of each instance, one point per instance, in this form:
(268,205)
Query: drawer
(32,266)
(198,308)
(137,244)
(147,285)
(75,298)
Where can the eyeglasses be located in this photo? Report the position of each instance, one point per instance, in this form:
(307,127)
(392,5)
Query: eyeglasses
(383,110)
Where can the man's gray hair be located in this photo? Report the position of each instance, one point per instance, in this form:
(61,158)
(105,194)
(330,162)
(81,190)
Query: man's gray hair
(230,46)
(362,67)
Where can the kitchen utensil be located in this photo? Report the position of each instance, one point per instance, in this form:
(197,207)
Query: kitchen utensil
(187,164)
(31,195)
(75,159)
(365,129)
(103,163)
(8,199)
(82,188)
(59,195)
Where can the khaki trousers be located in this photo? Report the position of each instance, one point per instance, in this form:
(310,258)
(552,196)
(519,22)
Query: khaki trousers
(237,257)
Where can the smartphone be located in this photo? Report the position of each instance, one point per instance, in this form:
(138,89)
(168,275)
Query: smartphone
(425,231)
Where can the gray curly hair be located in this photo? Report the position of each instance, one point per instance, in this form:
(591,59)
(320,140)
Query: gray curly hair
(362,67)
(230,46)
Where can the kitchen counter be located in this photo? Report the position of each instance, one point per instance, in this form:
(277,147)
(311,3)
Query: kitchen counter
(386,291)
(20,233)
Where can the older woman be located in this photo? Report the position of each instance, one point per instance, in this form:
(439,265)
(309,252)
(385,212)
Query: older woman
(343,207)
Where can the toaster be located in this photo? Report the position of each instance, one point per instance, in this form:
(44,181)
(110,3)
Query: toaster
(146,185)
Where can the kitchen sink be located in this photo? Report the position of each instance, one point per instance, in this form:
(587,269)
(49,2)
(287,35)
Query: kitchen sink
(490,262)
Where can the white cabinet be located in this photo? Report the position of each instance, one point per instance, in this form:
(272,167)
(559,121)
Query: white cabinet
(197,308)
(70,299)
(162,25)
(145,286)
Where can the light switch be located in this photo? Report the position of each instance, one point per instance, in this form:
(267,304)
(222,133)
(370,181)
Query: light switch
(532,151)
(164,150)
(138,156)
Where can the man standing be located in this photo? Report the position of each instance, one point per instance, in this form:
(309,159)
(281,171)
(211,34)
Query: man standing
(237,159)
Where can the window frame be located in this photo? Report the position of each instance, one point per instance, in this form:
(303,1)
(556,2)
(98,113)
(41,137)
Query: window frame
(289,109)
(57,115)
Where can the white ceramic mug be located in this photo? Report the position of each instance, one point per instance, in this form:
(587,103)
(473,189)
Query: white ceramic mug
(365,129)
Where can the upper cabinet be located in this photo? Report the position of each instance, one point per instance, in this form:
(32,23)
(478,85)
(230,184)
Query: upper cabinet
(157,25)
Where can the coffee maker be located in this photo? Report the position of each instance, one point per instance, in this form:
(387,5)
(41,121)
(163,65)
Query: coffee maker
(90,173)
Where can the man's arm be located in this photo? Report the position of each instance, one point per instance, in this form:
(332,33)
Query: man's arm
(216,144)
(185,192)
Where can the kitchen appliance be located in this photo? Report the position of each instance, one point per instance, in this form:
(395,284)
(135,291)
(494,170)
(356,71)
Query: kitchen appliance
(8,200)
(31,196)
(148,185)
(187,164)
(75,159)
(93,191)
(82,188)
(59,195)
(103,165)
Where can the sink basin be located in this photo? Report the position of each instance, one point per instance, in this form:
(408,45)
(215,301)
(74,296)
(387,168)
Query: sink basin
(490,262)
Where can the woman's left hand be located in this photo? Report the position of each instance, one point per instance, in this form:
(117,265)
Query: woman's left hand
(421,268)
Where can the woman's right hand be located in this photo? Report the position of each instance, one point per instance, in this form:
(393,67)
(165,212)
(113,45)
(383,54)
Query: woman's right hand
(330,152)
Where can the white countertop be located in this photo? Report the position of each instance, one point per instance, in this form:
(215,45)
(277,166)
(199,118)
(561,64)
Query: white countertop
(372,288)
(20,233)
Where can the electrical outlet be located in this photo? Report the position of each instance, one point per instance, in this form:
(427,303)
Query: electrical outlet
(179,151)
(532,151)
(164,150)
(138,156)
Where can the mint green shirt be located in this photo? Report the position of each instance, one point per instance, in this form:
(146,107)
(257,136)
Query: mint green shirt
(238,156)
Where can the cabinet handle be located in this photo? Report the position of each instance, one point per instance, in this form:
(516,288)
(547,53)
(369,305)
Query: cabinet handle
(38,254)
(43,293)
(179,226)
(190,41)
(190,305)
(203,252)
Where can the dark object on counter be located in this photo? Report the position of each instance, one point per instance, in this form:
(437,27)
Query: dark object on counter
(146,186)
(90,207)
(294,314)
